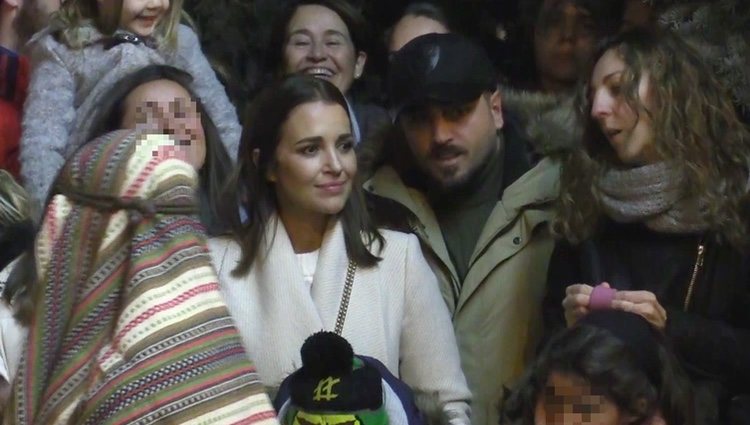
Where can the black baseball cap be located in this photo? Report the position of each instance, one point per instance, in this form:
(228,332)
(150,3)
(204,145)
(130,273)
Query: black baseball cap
(441,68)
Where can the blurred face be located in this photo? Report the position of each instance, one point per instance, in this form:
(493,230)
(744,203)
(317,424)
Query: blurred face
(410,27)
(451,143)
(569,400)
(141,16)
(315,162)
(564,40)
(318,44)
(629,132)
(164,106)
(637,14)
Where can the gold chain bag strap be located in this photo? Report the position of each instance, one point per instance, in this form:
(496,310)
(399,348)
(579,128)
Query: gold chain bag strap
(344,306)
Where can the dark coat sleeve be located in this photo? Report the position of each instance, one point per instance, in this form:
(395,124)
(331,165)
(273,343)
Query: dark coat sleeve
(564,270)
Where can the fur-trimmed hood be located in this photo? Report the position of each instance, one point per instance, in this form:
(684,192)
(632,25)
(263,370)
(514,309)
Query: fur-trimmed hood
(547,122)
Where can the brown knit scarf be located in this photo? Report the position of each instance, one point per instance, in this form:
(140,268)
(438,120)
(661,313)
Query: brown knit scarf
(652,194)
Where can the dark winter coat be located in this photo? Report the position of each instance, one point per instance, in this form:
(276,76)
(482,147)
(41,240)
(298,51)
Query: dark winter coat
(711,336)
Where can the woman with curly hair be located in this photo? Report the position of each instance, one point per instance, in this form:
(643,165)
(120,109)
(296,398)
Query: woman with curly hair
(654,210)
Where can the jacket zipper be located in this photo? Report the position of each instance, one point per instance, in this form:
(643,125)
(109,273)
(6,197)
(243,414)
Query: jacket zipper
(696,269)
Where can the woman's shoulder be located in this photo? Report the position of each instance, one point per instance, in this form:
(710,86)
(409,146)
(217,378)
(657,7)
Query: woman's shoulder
(225,253)
(396,237)
(222,245)
(396,244)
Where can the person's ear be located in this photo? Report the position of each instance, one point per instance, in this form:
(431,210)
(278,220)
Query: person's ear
(359,64)
(256,156)
(271,172)
(496,108)
(271,175)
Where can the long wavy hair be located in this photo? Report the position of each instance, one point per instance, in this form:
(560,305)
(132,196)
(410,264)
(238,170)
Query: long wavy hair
(74,14)
(612,369)
(261,134)
(695,126)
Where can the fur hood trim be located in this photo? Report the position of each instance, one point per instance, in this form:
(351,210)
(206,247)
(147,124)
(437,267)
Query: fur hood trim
(549,122)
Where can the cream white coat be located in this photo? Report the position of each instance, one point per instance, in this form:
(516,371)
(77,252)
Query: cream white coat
(396,313)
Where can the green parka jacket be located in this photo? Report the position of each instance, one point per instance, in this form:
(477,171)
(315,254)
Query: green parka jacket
(496,310)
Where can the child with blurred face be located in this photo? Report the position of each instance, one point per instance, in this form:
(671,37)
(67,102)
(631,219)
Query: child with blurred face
(92,46)
(611,368)
(164,106)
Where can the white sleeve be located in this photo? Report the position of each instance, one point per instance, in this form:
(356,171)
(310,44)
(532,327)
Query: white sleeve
(12,334)
(430,362)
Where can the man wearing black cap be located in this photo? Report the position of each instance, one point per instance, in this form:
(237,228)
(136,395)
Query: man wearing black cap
(459,175)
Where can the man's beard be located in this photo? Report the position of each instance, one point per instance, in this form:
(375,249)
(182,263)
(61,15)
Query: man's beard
(448,187)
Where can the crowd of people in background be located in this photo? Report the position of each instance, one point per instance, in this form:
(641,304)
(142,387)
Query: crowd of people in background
(349,212)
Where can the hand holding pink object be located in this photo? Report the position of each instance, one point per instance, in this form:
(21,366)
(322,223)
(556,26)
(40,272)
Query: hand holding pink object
(601,297)
(576,302)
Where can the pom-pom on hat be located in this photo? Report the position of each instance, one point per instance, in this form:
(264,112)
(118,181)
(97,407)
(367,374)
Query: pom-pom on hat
(334,386)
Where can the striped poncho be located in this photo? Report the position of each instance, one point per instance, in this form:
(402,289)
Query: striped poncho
(129,325)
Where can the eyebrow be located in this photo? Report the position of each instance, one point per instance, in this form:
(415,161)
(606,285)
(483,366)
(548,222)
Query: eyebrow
(607,78)
(305,31)
(611,75)
(319,139)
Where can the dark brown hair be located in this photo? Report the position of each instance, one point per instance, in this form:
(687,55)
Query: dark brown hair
(262,133)
(611,367)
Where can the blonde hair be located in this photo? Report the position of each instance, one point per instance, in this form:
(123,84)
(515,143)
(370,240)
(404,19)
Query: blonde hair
(76,14)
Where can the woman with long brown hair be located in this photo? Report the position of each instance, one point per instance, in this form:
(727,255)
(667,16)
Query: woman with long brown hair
(308,256)
(655,207)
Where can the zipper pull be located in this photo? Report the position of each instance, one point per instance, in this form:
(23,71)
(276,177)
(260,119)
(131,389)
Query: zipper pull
(696,268)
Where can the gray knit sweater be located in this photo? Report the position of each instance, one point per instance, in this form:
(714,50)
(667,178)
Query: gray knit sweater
(67,85)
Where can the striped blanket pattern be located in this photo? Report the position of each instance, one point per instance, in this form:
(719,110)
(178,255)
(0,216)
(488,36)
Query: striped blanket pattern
(129,325)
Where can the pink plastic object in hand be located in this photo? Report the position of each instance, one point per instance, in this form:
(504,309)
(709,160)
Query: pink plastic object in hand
(601,297)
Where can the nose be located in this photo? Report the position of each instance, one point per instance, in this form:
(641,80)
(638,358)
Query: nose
(442,129)
(568,30)
(157,4)
(602,104)
(316,52)
(333,162)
